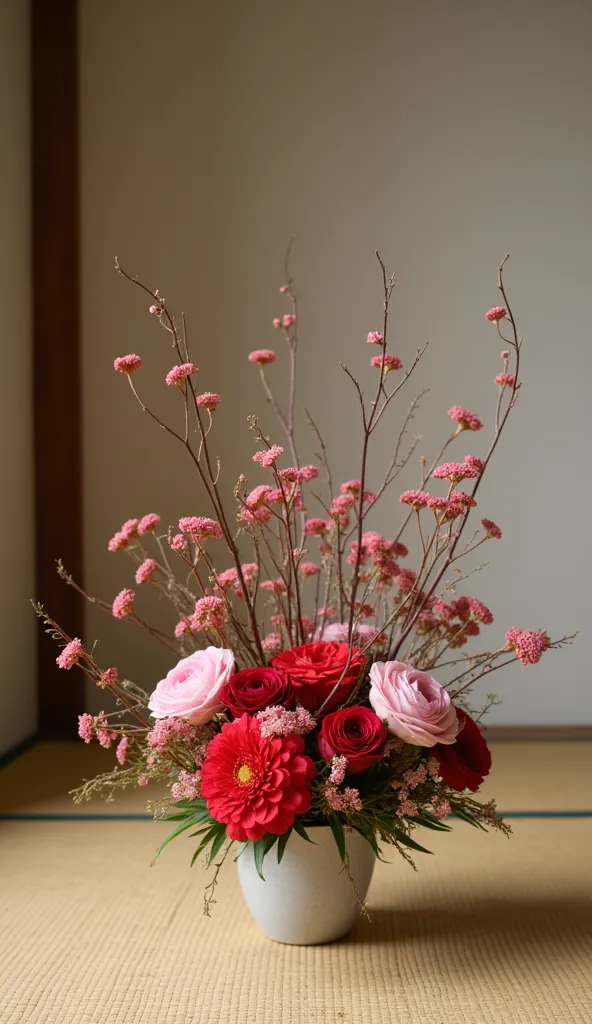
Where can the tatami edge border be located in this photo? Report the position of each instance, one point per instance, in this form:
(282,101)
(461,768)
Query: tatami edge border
(41,817)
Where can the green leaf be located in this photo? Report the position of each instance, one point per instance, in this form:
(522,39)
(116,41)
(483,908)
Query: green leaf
(182,827)
(200,831)
(299,828)
(261,848)
(282,844)
(460,812)
(370,837)
(241,849)
(428,822)
(196,814)
(259,856)
(338,834)
(204,821)
(407,841)
(217,845)
(269,840)
(194,804)
(210,834)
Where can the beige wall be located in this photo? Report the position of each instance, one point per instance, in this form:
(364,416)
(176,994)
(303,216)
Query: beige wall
(17,621)
(444,134)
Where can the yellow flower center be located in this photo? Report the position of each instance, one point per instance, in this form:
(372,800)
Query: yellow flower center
(244,774)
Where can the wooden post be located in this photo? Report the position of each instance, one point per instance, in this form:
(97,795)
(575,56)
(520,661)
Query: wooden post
(56,347)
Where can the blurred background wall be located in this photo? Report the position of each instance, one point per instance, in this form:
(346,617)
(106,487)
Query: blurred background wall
(443,134)
(18,628)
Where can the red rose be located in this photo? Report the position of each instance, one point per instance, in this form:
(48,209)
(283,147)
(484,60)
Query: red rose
(253,689)
(355,733)
(314,669)
(465,763)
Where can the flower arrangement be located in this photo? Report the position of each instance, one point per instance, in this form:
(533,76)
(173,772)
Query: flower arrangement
(316,678)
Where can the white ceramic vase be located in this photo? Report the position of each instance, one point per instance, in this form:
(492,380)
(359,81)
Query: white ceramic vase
(307,899)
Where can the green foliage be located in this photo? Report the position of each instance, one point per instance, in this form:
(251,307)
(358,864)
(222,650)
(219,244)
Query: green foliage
(261,848)
(402,837)
(376,823)
(300,829)
(282,844)
(428,821)
(194,814)
(461,812)
(336,827)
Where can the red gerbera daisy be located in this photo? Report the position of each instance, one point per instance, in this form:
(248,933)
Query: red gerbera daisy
(255,784)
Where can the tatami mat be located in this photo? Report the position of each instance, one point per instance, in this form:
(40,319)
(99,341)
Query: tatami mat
(489,931)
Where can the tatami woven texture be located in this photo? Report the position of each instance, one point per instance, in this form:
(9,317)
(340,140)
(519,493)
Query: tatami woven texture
(489,930)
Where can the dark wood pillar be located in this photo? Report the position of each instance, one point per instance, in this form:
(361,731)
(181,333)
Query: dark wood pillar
(56,346)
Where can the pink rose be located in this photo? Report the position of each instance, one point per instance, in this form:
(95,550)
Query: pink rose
(339,631)
(336,632)
(191,690)
(414,706)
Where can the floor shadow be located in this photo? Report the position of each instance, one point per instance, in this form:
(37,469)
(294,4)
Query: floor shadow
(513,922)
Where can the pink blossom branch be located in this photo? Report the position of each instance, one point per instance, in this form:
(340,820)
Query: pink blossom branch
(499,426)
(104,606)
(406,376)
(92,670)
(322,455)
(211,485)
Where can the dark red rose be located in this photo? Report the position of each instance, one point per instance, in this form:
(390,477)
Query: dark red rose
(253,689)
(464,763)
(314,669)
(356,733)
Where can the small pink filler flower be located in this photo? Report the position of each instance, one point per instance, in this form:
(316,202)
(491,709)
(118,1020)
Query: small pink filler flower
(148,523)
(121,752)
(71,654)
(505,380)
(178,374)
(496,313)
(145,570)
(316,527)
(85,727)
(465,419)
(529,644)
(389,363)
(417,499)
(123,604)
(491,529)
(262,356)
(200,527)
(127,364)
(210,613)
(457,471)
(209,400)
(267,458)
